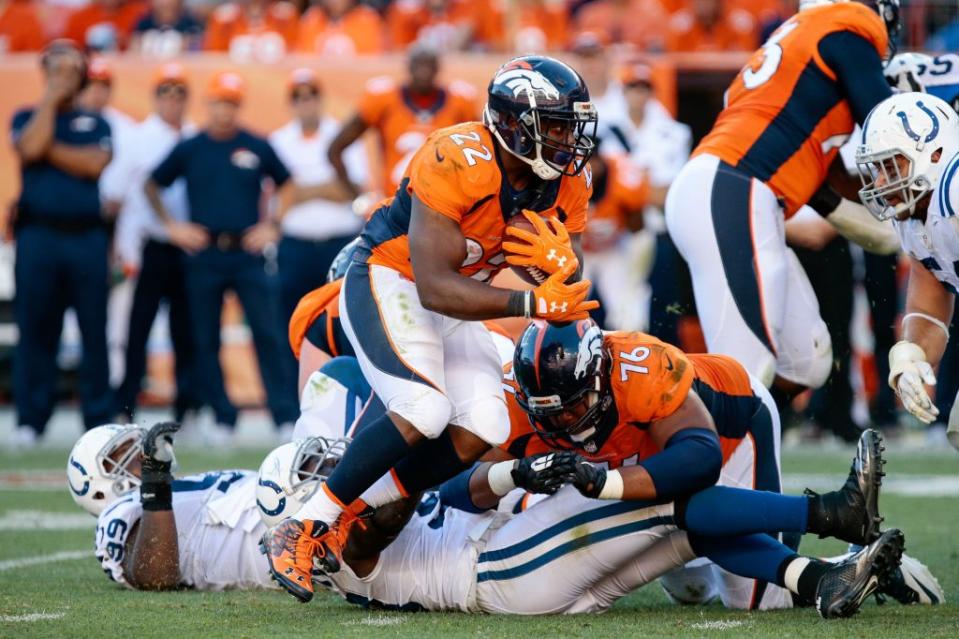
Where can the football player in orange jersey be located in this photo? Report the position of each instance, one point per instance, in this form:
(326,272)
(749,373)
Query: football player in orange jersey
(418,284)
(668,425)
(787,113)
(403,115)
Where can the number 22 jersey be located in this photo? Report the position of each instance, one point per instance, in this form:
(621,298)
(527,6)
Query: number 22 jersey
(457,174)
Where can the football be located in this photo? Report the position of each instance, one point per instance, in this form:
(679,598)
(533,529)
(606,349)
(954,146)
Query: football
(529,274)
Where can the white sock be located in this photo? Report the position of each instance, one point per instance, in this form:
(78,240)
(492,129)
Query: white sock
(321,506)
(383,491)
(793,571)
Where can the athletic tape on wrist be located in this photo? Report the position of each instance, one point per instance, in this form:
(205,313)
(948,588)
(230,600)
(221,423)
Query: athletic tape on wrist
(613,488)
(500,477)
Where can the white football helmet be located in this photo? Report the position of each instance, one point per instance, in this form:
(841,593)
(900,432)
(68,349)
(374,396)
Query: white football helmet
(98,468)
(907,140)
(903,71)
(292,473)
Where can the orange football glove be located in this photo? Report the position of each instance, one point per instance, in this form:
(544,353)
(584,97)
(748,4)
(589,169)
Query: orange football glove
(556,301)
(548,249)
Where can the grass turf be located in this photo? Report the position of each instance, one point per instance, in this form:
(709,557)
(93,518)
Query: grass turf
(72,598)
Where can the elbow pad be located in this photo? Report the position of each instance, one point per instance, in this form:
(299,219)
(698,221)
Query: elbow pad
(691,461)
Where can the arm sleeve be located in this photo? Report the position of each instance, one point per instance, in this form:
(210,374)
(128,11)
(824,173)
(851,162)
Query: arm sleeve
(858,68)
(113,529)
(171,168)
(696,451)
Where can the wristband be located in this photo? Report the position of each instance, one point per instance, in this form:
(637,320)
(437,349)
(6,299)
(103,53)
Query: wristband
(156,495)
(825,200)
(613,488)
(520,304)
(500,477)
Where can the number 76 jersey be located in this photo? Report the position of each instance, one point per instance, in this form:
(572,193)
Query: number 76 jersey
(650,380)
(786,113)
(457,174)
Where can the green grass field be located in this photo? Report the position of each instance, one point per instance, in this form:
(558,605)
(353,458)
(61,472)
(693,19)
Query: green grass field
(72,597)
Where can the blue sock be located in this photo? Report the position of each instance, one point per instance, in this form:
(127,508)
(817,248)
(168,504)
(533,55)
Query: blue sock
(369,456)
(754,556)
(722,511)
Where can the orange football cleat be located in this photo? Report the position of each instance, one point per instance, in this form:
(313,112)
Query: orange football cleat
(291,547)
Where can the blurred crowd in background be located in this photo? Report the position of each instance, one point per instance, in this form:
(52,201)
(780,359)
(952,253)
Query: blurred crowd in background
(320,174)
(267,29)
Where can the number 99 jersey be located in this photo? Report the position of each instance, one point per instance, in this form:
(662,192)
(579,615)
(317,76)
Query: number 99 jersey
(456,173)
(786,114)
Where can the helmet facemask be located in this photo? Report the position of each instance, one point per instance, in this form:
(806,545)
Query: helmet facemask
(574,421)
(890,185)
(314,461)
(553,142)
(117,455)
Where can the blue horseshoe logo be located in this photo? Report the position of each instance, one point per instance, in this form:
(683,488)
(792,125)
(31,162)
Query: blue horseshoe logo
(279,491)
(912,134)
(86,483)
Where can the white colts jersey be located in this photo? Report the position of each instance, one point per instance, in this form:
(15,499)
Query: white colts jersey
(430,566)
(218,530)
(935,242)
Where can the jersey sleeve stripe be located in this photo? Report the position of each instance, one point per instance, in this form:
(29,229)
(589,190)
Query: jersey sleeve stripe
(945,202)
(813,97)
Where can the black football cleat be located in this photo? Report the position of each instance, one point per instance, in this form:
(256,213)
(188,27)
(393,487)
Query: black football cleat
(852,512)
(912,583)
(846,585)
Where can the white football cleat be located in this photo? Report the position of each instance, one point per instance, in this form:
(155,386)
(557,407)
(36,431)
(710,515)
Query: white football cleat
(913,583)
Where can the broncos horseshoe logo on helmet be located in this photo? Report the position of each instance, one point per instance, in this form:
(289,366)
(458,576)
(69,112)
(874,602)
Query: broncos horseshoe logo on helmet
(532,83)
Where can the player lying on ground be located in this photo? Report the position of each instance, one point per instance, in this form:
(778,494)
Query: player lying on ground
(419,280)
(155,532)
(565,554)
(628,398)
(908,160)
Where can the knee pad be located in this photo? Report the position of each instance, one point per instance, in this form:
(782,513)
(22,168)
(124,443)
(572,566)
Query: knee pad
(427,409)
(485,417)
(691,585)
(811,365)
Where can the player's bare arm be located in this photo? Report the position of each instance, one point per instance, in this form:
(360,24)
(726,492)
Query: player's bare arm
(350,133)
(152,554)
(926,298)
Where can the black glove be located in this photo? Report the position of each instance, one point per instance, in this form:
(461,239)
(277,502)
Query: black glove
(156,477)
(544,473)
(588,479)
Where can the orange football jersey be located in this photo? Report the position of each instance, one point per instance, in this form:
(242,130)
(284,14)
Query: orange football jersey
(403,126)
(319,304)
(650,380)
(624,191)
(456,174)
(770,127)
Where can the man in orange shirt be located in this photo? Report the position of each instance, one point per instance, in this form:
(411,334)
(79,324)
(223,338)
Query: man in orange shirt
(20,28)
(638,22)
(403,115)
(711,25)
(260,29)
(445,25)
(341,28)
(104,25)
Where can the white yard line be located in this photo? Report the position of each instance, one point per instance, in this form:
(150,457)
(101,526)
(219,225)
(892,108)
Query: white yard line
(66,555)
(717,625)
(30,520)
(377,620)
(903,485)
(32,616)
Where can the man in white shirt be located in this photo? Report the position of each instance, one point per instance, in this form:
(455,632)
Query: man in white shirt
(144,245)
(316,219)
